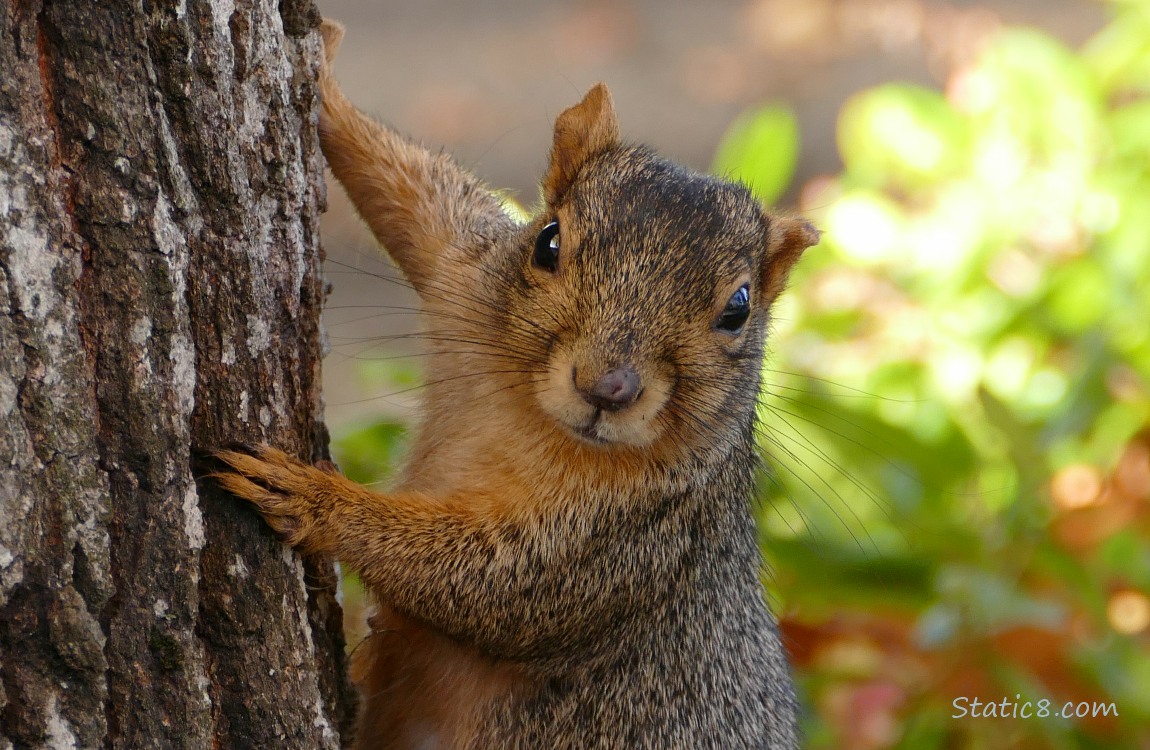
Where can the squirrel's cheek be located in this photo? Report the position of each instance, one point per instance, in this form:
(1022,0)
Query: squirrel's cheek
(557,396)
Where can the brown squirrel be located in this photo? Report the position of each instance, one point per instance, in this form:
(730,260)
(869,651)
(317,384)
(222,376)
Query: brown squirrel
(570,559)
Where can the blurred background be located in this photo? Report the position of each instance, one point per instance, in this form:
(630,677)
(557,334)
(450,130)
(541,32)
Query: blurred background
(957,416)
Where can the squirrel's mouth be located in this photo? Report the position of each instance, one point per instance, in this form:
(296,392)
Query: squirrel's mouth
(590,431)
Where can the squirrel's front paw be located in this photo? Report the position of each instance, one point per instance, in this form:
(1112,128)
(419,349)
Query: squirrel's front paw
(293,497)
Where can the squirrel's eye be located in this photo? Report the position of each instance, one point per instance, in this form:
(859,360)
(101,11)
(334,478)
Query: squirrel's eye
(547,248)
(737,311)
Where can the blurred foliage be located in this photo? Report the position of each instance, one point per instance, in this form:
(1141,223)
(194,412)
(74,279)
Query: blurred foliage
(370,451)
(971,516)
(957,408)
(761,149)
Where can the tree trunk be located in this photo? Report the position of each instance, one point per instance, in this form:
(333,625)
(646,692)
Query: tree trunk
(160,189)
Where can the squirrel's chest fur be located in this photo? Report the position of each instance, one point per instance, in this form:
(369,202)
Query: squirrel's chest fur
(424,691)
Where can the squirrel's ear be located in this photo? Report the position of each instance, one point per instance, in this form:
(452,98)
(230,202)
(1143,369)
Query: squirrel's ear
(581,132)
(787,238)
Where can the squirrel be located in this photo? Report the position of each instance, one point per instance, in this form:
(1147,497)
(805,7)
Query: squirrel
(570,558)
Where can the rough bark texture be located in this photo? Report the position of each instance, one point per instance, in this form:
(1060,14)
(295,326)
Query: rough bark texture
(160,185)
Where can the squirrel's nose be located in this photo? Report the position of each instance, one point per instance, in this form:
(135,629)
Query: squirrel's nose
(615,390)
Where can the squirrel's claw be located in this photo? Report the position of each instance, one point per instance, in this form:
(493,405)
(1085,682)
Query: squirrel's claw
(284,489)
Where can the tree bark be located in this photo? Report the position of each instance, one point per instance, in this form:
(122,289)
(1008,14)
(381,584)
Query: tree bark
(160,189)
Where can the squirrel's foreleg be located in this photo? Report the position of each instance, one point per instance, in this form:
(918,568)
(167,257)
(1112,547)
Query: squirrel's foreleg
(421,207)
(494,574)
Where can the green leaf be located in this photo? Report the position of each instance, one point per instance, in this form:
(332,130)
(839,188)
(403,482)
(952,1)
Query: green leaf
(760,149)
(1120,54)
(901,134)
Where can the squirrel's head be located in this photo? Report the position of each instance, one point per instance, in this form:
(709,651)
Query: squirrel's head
(643,290)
